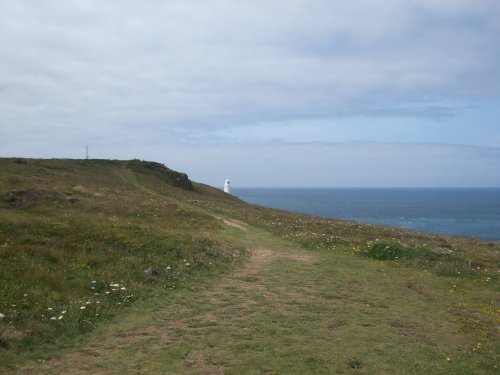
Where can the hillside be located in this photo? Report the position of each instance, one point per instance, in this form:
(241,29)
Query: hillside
(111,266)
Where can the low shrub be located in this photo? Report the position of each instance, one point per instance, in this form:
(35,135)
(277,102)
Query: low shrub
(395,250)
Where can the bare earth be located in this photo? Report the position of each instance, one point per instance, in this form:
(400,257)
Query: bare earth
(93,355)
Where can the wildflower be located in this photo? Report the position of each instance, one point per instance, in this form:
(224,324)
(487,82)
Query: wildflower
(25,295)
(448,359)
(2,316)
(107,292)
(50,308)
(93,281)
(87,303)
(168,267)
(60,317)
(82,307)
(123,288)
(53,318)
(63,312)
(187,264)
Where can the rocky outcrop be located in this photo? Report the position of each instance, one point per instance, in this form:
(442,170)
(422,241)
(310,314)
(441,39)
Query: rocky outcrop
(177,179)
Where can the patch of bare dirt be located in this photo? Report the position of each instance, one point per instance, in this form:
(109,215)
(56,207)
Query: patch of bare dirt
(76,363)
(235,224)
(140,334)
(31,197)
(261,256)
(83,361)
(198,365)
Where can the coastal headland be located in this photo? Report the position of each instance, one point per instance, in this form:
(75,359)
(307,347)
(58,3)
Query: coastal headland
(113,267)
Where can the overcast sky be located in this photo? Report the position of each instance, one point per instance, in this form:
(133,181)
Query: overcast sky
(264,92)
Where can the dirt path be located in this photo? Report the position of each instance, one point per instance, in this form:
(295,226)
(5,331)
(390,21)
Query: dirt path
(128,177)
(286,310)
(234,223)
(222,303)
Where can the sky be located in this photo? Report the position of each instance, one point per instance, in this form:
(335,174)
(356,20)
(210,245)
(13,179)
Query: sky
(274,93)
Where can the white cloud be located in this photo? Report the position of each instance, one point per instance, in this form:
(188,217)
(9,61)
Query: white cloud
(141,73)
(230,58)
(342,165)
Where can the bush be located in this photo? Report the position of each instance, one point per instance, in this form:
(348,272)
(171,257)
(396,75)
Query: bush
(394,250)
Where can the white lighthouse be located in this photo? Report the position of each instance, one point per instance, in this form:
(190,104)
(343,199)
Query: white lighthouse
(227,187)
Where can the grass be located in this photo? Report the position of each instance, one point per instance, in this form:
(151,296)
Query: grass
(298,312)
(67,265)
(394,251)
(151,280)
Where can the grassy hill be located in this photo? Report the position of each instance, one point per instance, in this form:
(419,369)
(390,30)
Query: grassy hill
(111,266)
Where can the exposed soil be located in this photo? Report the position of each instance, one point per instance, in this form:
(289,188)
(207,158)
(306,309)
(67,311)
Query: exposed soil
(84,360)
(198,366)
(235,224)
(31,197)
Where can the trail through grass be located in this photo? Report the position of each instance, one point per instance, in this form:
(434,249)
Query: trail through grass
(287,310)
(128,267)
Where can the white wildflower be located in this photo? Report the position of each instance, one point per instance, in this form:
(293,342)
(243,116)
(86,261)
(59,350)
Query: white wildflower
(25,295)
(87,303)
(2,316)
(60,317)
(50,308)
(53,318)
(93,281)
(82,307)
(123,288)
(63,312)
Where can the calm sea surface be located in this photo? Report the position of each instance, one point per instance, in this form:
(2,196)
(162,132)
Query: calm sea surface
(462,212)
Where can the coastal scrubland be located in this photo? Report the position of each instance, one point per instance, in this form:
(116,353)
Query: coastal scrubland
(111,266)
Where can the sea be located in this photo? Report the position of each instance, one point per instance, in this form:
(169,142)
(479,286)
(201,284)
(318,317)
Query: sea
(471,212)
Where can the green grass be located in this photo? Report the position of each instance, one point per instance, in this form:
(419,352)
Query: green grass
(393,251)
(68,265)
(302,312)
(322,296)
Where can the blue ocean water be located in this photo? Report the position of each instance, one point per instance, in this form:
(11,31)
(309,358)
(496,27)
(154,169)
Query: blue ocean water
(462,212)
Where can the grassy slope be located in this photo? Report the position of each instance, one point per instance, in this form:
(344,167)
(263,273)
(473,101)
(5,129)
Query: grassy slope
(330,309)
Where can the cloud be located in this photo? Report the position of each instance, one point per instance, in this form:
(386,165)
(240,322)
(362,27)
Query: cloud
(353,164)
(133,78)
(191,63)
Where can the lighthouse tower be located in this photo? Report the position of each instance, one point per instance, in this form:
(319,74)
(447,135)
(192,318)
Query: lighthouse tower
(227,187)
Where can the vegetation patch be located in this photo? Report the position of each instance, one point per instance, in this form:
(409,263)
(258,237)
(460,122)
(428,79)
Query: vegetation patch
(84,241)
(395,250)
(30,197)
(158,170)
